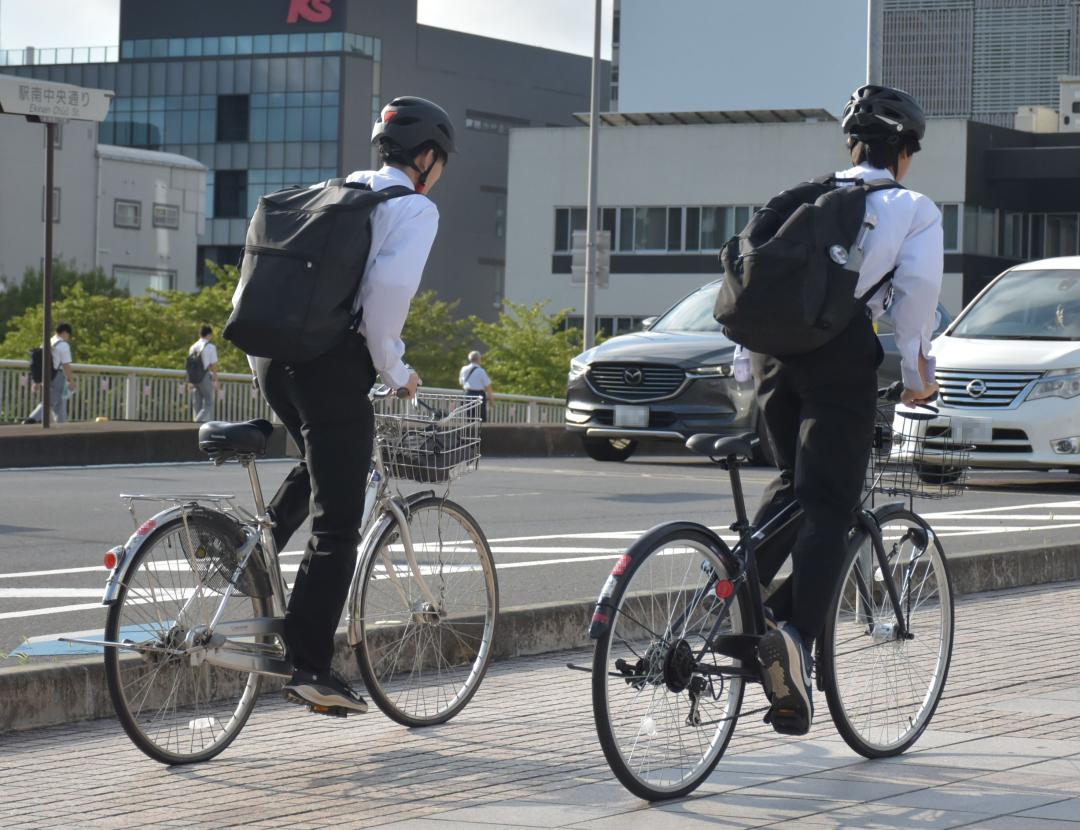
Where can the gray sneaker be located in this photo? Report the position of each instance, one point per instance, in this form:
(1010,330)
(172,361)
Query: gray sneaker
(323,692)
(785,670)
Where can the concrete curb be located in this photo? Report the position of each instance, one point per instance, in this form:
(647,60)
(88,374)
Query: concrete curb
(36,696)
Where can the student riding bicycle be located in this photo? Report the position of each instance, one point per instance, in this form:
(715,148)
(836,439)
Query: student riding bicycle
(819,406)
(324,403)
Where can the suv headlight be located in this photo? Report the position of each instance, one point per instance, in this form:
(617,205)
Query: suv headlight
(577,368)
(720,370)
(1058,383)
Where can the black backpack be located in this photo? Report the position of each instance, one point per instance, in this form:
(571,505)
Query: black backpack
(790,276)
(304,257)
(194,367)
(37,366)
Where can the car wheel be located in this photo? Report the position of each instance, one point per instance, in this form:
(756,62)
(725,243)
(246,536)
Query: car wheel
(932,474)
(609,449)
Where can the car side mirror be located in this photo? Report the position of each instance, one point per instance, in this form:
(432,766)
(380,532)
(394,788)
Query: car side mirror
(648,321)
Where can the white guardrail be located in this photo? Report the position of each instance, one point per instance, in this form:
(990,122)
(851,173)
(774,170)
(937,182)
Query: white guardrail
(127,393)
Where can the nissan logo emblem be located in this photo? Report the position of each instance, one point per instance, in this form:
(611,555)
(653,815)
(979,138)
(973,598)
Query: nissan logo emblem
(633,377)
(977,388)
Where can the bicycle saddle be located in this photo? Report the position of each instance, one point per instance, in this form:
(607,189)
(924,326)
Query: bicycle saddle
(247,437)
(723,446)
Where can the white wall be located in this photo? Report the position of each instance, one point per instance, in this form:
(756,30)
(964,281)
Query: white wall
(680,165)
(22,184)
(153,179)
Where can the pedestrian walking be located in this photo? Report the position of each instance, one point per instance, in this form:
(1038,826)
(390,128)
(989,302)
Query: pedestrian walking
(62,379)
(476,383)
(202,373)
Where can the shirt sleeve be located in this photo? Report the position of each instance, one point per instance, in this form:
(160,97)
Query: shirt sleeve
(63,353)
(915,289)
(209,355)
(388,288)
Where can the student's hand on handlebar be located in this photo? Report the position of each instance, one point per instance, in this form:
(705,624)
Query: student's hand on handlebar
(915,397)
(409,389)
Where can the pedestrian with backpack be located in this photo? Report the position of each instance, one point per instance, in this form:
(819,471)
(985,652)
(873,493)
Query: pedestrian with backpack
(476,383)
(201,367)
(62,378)
(803,283)
(325,287)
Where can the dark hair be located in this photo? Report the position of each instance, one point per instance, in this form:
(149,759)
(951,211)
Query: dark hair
(883,154)
(63,328)
(205,330)
(391,153)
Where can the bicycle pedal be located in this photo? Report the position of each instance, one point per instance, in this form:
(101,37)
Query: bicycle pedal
(331,711)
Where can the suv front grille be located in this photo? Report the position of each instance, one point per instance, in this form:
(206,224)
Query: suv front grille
(634,382)
(982,390)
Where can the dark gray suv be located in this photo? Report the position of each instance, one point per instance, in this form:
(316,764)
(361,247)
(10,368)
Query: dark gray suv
(673,380)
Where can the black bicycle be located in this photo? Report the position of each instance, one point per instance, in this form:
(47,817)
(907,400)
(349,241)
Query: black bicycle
(678,621)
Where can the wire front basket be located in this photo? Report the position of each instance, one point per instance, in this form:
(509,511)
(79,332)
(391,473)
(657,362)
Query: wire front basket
(916,454)
(435,439)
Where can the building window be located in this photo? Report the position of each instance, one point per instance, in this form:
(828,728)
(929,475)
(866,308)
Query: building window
(1012,240)
(714,227)
(1061,235)
(950,226)
(488,122)
(980,230)
(166,216)
(55,205)
(127,214)
(232,117)
(141,281)
(650,229)
(230,194)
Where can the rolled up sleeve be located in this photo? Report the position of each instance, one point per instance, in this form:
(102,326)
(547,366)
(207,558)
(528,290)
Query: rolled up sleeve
(916,286)
(388,287)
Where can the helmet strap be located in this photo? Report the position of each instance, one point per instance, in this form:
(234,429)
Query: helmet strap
(421,183)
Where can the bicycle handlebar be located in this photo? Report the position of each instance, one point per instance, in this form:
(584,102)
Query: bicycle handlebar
(893,391)
(382,391)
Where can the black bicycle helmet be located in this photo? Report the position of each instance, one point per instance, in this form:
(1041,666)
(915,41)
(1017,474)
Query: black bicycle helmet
(877,112)
(409,122)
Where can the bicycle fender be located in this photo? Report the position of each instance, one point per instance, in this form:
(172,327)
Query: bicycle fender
(887,511)
(125,553)
(625,564)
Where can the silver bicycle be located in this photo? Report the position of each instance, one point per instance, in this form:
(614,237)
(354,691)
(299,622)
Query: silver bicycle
(197,598)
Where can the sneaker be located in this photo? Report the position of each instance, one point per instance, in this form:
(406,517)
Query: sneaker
(785,669)
(327,690)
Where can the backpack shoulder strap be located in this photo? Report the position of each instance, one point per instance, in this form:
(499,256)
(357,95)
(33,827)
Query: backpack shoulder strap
(394,191)
(884,184)
(865,298)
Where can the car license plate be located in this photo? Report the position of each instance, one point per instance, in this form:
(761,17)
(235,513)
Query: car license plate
(972,430)
(631,416)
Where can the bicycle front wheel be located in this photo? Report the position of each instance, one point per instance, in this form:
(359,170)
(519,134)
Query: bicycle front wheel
(664,710)
(883,671)
(427,625)
(174,707)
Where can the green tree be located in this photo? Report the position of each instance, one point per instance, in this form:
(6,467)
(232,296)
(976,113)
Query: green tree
(16,299)
(529,350)
(436,341)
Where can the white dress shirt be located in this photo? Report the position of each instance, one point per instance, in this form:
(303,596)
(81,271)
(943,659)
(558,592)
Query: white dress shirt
(206,350)
(473,378)
(907,236)
(61,351)
(402,232)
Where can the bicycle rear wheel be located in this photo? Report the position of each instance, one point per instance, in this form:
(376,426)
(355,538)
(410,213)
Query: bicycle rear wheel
(175,709)
(664,714)
(426,639)
(883,687)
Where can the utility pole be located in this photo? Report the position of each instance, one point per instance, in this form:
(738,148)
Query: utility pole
(590,208)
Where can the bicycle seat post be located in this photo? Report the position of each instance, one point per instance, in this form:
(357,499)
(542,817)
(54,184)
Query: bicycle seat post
(266,527)
(742,525)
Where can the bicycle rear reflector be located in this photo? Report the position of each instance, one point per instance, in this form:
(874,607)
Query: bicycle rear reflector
(724,589)
(112,558)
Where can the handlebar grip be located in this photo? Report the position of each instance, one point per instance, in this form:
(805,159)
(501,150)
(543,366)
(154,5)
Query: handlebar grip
(892,392)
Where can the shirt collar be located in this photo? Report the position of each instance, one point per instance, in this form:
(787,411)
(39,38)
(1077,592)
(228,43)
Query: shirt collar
(398,176)
(869,173)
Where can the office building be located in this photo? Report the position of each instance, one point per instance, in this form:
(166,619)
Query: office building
(977,59)
(270,93)
(1005,196)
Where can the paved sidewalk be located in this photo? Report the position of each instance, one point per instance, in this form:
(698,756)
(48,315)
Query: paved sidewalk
(1003,752)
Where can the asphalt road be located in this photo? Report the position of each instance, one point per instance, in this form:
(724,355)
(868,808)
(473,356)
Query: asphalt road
(555,525)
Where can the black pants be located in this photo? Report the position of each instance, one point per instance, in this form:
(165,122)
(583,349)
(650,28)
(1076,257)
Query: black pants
(325,407)
(482,395)
(818,409)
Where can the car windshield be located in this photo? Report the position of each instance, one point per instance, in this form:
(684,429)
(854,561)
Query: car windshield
(693,313)
(1026,305)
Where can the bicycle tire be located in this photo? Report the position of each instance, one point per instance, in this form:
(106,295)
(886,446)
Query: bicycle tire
(400,630)
(199,709)
(612,688)
(888,725)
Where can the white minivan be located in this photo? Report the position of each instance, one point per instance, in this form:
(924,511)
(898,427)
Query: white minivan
(1009,368)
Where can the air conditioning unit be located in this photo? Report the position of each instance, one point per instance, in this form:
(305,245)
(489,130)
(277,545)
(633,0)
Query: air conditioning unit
(1036,120)
(1069,101)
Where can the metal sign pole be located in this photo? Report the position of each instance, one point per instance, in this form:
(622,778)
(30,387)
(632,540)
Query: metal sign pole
(46,282)
(590,209)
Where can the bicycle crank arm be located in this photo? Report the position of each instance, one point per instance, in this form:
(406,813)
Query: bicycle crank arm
(227,658)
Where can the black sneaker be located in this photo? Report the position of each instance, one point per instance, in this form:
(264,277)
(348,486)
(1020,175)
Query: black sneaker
(323,691)
(785,669)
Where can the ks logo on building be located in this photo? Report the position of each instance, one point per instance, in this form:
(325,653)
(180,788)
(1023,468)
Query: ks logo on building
(313,11)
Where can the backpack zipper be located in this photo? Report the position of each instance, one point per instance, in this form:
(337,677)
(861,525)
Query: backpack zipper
(261,249)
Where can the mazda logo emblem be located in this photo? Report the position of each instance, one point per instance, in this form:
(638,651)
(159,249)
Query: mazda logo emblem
(977,388)
(633,377)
